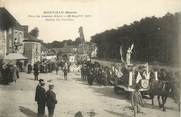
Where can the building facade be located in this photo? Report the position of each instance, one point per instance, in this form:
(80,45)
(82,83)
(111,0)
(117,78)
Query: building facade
(14,38)
(32,49)
(12,34)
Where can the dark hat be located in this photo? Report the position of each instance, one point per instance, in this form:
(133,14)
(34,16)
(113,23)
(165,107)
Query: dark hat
(40,80)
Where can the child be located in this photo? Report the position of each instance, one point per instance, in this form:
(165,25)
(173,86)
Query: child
(136,100)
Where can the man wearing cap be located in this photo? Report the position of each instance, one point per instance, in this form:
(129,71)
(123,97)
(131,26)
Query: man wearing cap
(51,100)
(40,98)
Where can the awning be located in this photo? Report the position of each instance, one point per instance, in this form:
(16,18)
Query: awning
(15,56)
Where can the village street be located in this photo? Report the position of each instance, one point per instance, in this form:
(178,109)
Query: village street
(73,95)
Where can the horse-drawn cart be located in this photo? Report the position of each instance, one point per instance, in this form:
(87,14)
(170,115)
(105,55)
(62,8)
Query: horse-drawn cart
(126,83)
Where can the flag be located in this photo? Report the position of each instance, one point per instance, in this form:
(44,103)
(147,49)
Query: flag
(138,78)
(121,54)
(132,46)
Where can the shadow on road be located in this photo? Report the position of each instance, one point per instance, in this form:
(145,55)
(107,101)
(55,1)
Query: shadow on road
(107,91)
(31,79)
(27,111)
(84,82)
(102,90)
(117,114)
(150,106)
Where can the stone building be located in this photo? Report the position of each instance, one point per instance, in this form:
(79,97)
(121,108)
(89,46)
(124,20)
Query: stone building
(12,34)
(67,53)
(14,38)
(32,49)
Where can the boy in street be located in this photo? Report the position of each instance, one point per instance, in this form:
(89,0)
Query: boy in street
(136,100)
(51,100)
(65,70)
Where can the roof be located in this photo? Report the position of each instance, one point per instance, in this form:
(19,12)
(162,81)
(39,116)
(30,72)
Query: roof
(66,49)
(7,20)
(81,49)
(14,56)
(31,38)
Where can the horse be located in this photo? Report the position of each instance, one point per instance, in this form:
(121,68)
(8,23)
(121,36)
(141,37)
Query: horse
(176,93)
(176,89)
(161,89)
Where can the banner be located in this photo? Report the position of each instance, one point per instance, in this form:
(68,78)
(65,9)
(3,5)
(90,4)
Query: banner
(121,54)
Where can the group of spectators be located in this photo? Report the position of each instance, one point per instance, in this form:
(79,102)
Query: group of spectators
(8,73)
(94,72)
(43,66)
(47,66)
(108,75)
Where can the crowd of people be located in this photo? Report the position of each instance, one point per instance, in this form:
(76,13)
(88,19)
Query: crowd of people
(48,67)
(9,73)
(108,75)
(94,72)
(44,66)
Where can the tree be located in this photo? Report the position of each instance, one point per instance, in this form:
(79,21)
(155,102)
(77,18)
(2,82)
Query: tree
(77,41)
(155,39)
(34,32)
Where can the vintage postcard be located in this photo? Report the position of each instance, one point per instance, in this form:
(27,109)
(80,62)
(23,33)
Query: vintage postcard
(90,58)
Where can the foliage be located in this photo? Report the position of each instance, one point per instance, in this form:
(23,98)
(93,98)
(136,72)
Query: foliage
(60,44)
(34,32)
(155,39)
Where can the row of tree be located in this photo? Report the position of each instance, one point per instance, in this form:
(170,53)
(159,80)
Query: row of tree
(155,39)
(55,44)
(60,44)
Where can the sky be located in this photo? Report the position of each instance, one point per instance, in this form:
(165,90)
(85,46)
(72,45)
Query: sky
(95,16)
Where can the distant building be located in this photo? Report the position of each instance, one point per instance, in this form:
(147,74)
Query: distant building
(72,53)
(67,53)
(32,49)
(12,34)
(81,35)
(86,51)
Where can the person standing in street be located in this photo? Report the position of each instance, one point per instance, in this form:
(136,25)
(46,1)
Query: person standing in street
(65,70)
(51,100)
(36,71)
(29,68)
(15,73)
(40,98)
(56,68)
(136,100)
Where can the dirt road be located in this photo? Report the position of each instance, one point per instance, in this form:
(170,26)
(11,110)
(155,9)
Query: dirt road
(73,95)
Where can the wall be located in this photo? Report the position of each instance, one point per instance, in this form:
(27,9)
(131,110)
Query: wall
(18,37)
(32,50)
(2,44)
(28,50)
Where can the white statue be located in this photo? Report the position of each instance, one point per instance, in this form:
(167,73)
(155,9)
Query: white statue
(128,55)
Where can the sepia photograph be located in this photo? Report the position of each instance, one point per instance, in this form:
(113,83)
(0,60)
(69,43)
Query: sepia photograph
(90,58)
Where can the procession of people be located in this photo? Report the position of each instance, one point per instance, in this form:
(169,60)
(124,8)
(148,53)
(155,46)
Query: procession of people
(159,81)
(92,73)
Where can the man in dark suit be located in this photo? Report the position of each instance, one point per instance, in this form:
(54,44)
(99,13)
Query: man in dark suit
(40,98)
(51,100)
(36,71)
